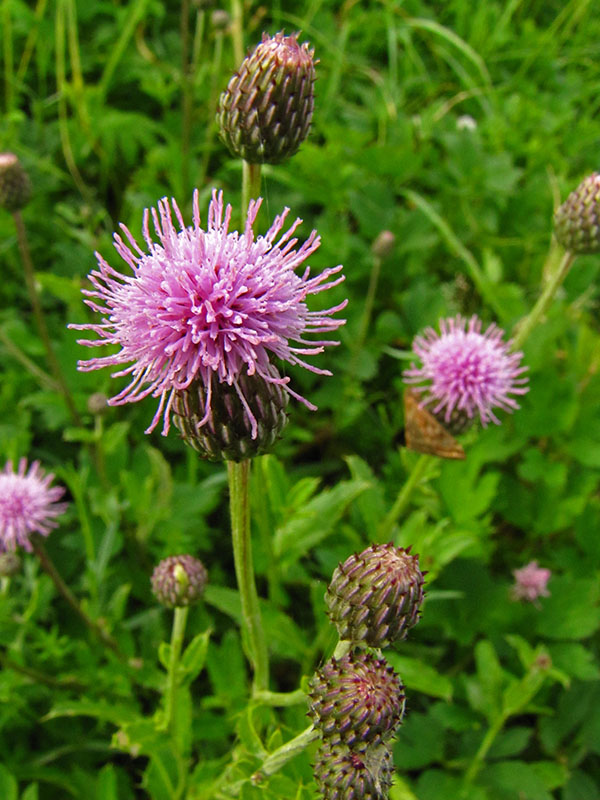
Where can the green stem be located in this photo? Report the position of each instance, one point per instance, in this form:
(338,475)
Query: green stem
(237,31)
(281,699)
(250,184)
(366,316)
(40,318)
(404,496)
(67,594)
(481,753)
(239,475)
(186,97)
(177,635)
(526,325)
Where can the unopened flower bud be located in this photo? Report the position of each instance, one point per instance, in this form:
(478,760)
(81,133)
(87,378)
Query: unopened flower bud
(10,564)
(362,773)
(244,421)
(375,596)
(220,19)
(179,581)
(577,220)
(15,186)
(264,115)
(97,403)
(356,699)
(383,244)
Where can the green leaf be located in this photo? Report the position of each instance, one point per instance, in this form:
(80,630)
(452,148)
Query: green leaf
(194,656)
(420,676)
(510,779)
(32,793)
(315,521)
(107,712)
(572,611)
(106,784)
(8,784)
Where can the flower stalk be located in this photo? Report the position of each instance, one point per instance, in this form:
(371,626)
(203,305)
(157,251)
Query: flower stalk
(239,481)
(67,594)
(40,319)
(177,635)
(404,497)
(526,325)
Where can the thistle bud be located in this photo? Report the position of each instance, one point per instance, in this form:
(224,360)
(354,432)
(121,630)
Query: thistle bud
(374,597)
(264,115)
(383,245)
(15,186)
(179,581)
(10,564)
(363,773)
(358,699)
(242,423)
(577,220)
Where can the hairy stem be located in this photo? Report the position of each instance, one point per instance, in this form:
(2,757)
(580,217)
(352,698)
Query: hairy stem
(177,635)
(250,184)
(40,319)
(239,476)
(526,325)
(67,594)
(404,497)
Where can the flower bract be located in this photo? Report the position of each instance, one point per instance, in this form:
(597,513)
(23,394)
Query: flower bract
(207,303)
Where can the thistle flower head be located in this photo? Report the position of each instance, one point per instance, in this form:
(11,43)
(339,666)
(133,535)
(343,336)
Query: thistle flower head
(264,115)
(465,369)
(577,220)
(358,698)
(179,581)
(361,773)
(206,306)
(374,597)
(28,505)
(530,582)
(15,186)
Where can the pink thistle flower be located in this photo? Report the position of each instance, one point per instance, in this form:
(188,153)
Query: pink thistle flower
(204,303)
(28,504)
(530,582)
(467,370)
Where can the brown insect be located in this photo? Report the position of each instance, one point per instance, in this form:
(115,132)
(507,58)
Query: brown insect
(424,433)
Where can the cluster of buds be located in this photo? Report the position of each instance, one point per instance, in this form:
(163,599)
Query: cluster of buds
(179,581)
(264,115)
(357,701)
(577,220)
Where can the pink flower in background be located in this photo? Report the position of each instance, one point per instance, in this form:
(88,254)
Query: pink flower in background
(28,504)
(465,369)
(530,582)
(204,303)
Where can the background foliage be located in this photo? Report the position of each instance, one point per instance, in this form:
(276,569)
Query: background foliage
(458,127)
